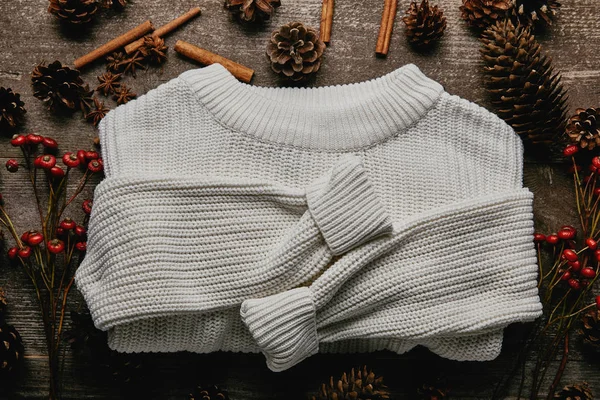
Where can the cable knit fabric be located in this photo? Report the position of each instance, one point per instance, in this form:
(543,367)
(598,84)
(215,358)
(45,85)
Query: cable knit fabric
(385,214)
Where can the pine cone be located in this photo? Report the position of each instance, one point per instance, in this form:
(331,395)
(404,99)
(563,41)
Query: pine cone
(11,345)
(535,12)
(524,89)
(58,86)
(209,393)
(295,51)
(357,385)
(75,12)
(583,128)
(116,4)
(483,13)
(578,391)
(424,24)
(252,10)
(12,110)
(591,328)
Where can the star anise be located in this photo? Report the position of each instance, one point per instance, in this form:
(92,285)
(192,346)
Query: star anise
(124,95)
(154,49)
(113,62)
(132,63)
(118,4)
(97,113)
(108,83)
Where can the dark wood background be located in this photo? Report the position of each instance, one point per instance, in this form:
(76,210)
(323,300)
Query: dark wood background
(29,35)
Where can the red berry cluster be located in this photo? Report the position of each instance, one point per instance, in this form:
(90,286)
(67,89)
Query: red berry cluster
(89,159)
(577,269)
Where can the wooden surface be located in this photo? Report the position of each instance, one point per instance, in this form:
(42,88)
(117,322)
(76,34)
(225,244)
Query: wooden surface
(29,35)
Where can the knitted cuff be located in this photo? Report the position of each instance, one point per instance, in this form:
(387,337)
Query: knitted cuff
(346,207)
(283,326)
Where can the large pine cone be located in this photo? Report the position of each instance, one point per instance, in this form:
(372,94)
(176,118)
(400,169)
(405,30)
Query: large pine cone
(483,13)
(252,10)
(11,349)
(295,51)
(584,128)
(209,393)
(535,12)
(591,328)
(524,89)
(424,23)
(75,12)
(578,391)
(357,385)
(12,110)
(60,87)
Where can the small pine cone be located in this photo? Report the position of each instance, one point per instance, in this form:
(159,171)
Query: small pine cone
(58,86)
(11,345)
(591,328)
(116,4)
(483,13)
(209,393)
(584,128)
(76,12)
(12,110)
(535,12)
(252,10)
(295,51)
(578,391)
(424,24)
(522,84)
(357,385)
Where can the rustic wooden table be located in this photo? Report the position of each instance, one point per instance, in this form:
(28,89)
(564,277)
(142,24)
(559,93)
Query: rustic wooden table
(29,35)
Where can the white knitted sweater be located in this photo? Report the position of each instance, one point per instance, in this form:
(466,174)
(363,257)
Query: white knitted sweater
(380,215)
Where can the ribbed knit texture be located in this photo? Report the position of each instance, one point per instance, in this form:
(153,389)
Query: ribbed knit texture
(220,193)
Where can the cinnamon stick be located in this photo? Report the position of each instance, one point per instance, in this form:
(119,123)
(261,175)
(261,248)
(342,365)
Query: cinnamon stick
(390,8)
(326,21)
(165,29)
(206,57)
(114,44)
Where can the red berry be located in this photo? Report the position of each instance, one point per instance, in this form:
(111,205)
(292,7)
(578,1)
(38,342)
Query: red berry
(598,302)
(12,253)
(597,255)
(49,143)
(591,243)
(539,237)
(575,265)
(60,232)
(55,246)
(35,238)
(80,230)
(87,206)
(67,224)
(566,234)
(81,246)
(12,165)
(92,155)
(96,165)
(593,168)
(25,252)
(565,276)
(596,162)
(552,239)
(25,236)
(569,255)
(32,138)
(57,172)
(574,283)
(81,156)
(588,272)
(70,160)
(18,140)
(584,283)
(570,150)
(46,161)
(597,192)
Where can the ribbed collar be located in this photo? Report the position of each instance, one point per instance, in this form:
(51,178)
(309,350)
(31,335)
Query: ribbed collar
(340,117)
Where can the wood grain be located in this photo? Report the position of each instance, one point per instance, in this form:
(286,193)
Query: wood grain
(29,35)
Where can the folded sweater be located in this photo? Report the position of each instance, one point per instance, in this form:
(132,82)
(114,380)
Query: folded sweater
(379,215)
